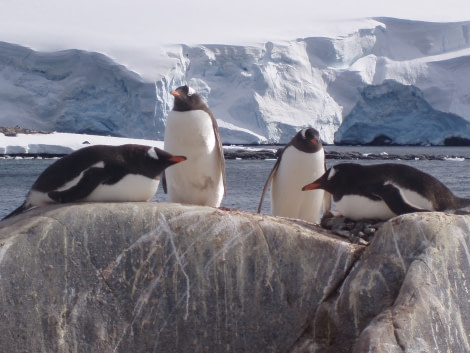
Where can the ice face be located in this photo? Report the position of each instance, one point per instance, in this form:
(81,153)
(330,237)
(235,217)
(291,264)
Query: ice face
(260,92)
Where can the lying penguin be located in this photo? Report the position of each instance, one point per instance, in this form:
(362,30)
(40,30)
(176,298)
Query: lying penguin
(100,174)
(302,159)
(383,191)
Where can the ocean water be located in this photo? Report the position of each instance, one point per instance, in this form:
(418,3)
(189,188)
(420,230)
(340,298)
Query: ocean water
(246,178)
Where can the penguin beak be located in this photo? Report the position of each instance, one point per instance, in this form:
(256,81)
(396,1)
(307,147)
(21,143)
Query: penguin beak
(177,159)
(312,186)
(314,141)
(174,94)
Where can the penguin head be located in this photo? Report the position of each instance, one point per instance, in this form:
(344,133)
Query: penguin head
(307,140)
(186,98)
(164,158)
(332,180)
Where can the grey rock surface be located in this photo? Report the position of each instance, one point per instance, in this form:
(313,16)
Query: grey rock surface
(149,277)
(407,293)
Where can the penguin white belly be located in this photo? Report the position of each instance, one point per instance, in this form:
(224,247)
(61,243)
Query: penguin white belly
(133,187)
(38,198)
(199,179)
(358,207)
(295,170)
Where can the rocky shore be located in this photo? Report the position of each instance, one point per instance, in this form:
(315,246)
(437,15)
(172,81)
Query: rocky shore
(353,155)
(46,147)
(13,131)
(271,154)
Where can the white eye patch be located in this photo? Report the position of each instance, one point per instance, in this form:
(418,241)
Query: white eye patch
(191,91)
(152,153)
(303,132)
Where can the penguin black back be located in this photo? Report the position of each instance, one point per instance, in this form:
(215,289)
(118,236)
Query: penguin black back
(130,158)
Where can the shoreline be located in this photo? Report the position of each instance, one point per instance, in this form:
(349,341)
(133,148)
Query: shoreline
(263,154)
(18,143)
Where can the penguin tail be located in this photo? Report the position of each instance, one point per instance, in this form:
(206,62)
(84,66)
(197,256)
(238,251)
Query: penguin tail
(462,207)
(464,202)
(19,210)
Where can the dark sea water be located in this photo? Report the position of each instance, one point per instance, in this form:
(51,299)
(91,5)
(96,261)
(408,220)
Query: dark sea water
(246,178)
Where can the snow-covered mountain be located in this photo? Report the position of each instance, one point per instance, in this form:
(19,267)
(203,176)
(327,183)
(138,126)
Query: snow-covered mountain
(261,92)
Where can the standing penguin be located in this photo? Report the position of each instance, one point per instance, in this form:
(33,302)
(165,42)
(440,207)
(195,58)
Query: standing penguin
(383,191)
(303,158)
(192,130)
(100,174)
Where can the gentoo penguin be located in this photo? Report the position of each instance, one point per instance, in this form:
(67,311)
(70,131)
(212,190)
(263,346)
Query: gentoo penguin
(192,130)
(101,173)
(383,191)
(300,161)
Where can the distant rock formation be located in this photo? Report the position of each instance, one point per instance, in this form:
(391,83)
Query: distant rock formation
(148,277)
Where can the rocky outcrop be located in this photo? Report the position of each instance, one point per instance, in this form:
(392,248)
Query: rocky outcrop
(149,277)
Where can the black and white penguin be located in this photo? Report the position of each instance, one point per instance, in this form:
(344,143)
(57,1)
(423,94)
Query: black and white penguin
(192,130)
(300,161)
(383,191)
(101,174)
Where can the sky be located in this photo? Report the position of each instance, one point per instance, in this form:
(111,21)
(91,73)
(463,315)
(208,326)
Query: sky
(132,28)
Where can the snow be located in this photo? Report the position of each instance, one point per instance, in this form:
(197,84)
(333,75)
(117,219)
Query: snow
(62,143)
(262,89)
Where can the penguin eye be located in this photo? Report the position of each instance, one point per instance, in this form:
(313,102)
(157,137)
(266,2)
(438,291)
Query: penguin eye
(191,91)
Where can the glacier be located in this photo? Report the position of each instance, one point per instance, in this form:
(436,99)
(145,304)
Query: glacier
(261,92)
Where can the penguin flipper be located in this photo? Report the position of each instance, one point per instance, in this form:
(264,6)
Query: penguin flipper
(163,180)
(218,141)
(90,180)
(326,196)
(268,182)
(390,194)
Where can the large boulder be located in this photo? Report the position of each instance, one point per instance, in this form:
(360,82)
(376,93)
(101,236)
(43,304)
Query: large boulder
(149,277)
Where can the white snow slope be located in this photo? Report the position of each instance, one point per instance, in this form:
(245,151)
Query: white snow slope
(259,92)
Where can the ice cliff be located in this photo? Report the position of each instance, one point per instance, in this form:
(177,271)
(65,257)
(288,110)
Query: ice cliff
(261,92)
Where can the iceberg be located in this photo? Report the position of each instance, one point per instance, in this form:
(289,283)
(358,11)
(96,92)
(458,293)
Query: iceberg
(397,114)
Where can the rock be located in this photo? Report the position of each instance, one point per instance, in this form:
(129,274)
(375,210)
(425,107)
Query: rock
(148,277)
(407,293)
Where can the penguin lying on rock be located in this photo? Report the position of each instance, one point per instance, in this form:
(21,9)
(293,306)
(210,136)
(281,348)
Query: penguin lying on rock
(302,159)
(101,174)
(383,191)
